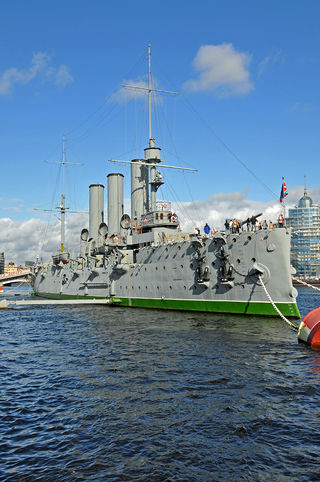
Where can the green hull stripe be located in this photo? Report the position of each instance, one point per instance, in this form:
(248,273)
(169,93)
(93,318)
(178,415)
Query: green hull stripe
(210,306)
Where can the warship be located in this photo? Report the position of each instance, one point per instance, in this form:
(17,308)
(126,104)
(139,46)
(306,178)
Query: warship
(146,260)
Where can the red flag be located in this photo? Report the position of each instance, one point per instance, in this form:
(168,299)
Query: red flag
(284,191)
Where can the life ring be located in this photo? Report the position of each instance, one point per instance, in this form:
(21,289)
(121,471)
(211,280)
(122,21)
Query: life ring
(115,239)
(173,218)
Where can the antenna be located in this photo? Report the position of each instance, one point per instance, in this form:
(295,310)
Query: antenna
(305,185)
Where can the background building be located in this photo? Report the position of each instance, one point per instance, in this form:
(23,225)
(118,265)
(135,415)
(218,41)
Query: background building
(305,242)
(1,263)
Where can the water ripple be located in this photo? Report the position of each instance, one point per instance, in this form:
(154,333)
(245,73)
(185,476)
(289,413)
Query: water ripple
(98,393)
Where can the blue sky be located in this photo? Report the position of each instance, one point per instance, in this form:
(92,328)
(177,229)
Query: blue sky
(247,73)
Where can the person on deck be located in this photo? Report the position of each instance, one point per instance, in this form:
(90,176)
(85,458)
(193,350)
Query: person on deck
(207,229)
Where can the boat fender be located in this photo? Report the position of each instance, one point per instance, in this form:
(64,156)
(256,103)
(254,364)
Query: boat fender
(309,329)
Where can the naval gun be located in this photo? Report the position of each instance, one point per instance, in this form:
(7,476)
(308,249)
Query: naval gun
(252,220)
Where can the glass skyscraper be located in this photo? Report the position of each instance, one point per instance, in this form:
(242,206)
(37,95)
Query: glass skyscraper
(305,241)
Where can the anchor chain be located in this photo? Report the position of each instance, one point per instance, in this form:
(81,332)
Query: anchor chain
(274,305)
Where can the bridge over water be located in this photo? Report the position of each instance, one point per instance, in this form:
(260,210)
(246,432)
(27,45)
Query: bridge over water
(23,276)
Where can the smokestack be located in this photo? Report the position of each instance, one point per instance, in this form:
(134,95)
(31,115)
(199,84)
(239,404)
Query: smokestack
(115,202)
(96,201)
(139,189)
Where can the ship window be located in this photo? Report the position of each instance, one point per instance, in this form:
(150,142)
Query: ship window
(213,263)
(242,286)
(158,288)
(170,287)
(234,240)
(185,287)
(238,261)
(191,265)
(145,269)
(164,267)
(157,216)
(156,268)
(181,266)
(249,238)
(139,287)
(146,287)
(179,247)
(253,260)
(161,215)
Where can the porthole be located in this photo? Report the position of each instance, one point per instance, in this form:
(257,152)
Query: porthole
(164,267)
(145,269)
(185,287)
(158,288)
(170,287)
(213,263)
(156,268)
(242,286)
(249,238)
(181,266)
(179,247)
(139,287)
(234,240)
(238,261)
(191,265)
(253,260)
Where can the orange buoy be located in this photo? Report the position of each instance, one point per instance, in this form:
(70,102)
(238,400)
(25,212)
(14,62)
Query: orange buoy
(309,329)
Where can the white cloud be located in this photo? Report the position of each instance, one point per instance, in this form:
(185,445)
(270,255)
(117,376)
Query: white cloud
(301,107)
(60,75)
(269,61)
(25,240)
(222,70)
(40,66)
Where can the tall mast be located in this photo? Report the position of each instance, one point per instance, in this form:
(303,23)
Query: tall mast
(149,92)
(62,206)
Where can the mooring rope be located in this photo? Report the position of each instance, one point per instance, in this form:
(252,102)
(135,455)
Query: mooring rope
(275,307)
(306,284)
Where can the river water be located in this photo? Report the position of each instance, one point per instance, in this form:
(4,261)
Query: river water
(106,393)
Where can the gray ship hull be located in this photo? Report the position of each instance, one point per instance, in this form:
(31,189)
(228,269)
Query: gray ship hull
(218,274)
